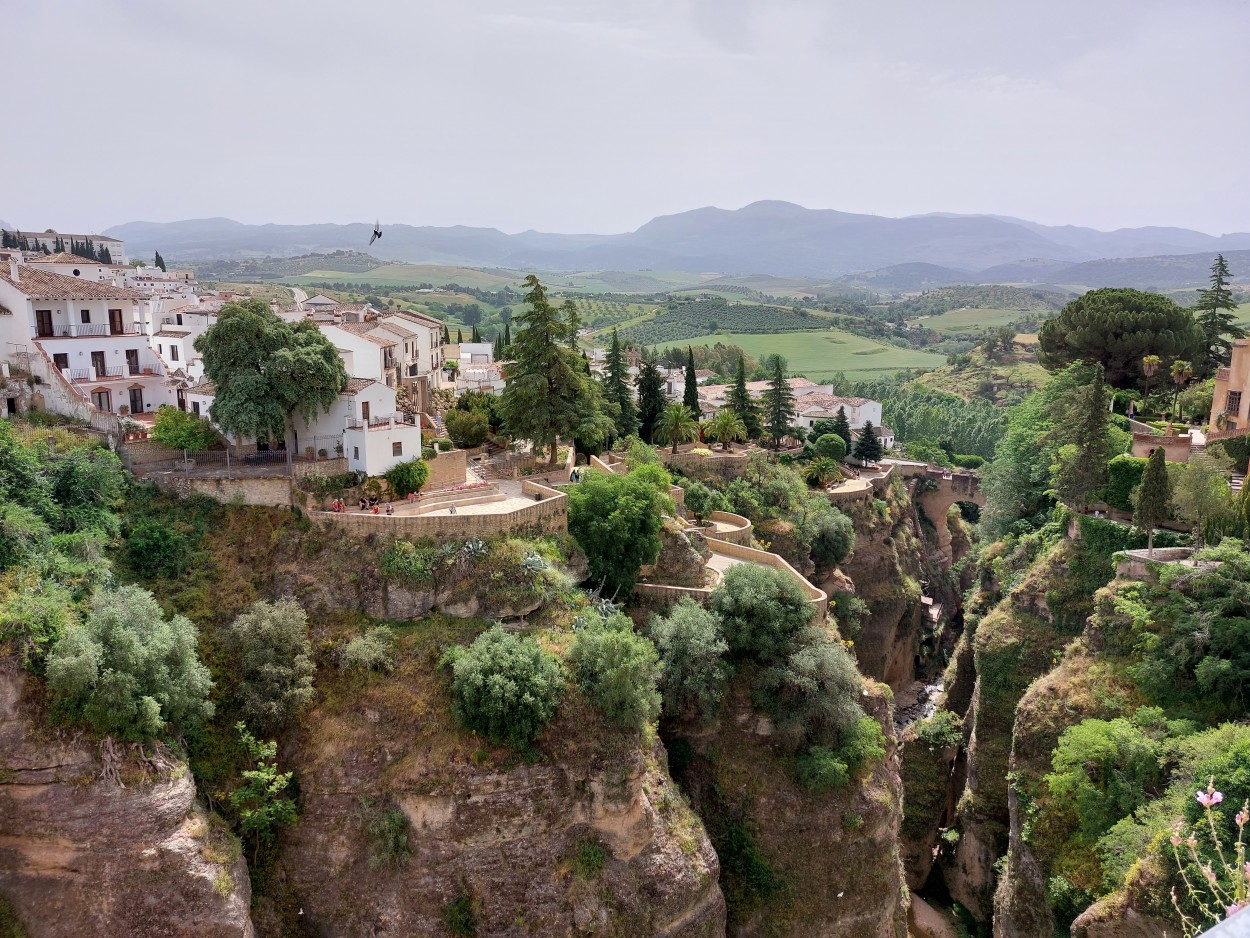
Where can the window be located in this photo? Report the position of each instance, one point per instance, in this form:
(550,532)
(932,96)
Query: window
(86,315)
(195,408)
(355,452)
(1234,402)
(179,315)
(61,360)
(173,353)
(397,449)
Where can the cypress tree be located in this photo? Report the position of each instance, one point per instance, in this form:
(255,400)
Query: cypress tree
(459,337)
(740,402)
(507,334)
(616,388)
(497,349)
(160,261)
(842,427)
(868,447)
(106,256)
(1215,309)
(1152,501)
(446,337)
(476,336)
(777,403)
(575,321)
(690,395)
(651,400)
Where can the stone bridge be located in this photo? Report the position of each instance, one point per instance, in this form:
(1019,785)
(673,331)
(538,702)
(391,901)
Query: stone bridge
(937,489)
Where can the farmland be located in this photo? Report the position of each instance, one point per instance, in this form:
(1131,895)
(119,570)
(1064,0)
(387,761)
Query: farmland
(821,354)
(967,322)
(681,322)
(411,275)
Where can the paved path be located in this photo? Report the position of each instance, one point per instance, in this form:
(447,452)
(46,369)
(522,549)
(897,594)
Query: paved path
(300,296)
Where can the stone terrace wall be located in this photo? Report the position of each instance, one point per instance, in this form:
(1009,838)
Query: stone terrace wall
(741,534)
(263,491)
(446,469)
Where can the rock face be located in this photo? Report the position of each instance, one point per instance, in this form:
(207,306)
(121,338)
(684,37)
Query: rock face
(592,838)
(682,557)
(80,855)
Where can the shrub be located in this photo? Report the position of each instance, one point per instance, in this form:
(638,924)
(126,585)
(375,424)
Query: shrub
(617,669)
(702,501)
(445,446)
(589,859)
(35,619)
(830,446)
(819,769)
(155,549)
(182,429)
(369,652)
(968,461)
(693,672)
(275,663)
(505,686)
(833,538)
(761,610)
(940,731)
(407,477)
(813,695)
(467,427)
(1123,475)
(388,839)
(261,800)
(616,520)
(126,670)
(23,535)
(457,916)
(862,745)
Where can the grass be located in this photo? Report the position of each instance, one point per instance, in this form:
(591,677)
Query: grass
(264,291)
(970,322)
(398,275)
(824,353)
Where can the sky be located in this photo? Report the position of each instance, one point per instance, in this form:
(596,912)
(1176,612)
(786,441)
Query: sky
(597,115)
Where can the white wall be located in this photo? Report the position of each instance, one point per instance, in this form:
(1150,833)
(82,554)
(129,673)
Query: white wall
(373,450)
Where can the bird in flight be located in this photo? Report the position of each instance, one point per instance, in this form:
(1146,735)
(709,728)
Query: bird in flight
(377,231)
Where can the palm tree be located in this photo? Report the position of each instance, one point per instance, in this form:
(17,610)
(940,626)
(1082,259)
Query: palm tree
(725,428)
(1182,371)
(820,472)
(676,425)
(1149,365)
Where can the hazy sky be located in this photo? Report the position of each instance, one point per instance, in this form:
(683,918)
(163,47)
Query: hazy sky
(597,115)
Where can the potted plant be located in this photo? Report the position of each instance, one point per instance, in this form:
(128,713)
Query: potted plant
(322,454)
(124,410)
(338,450)
(309,453)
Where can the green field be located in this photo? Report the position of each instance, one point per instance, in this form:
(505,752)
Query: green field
(403,275)
(821,354)
(970,322)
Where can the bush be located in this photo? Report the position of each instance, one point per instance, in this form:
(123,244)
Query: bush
(275,663)
(155,549)
(589,859)
(830,446)
(445,446)
(1123,475)
(23,535)
(819,769)
(862,745)
(701,501)
(617,669)
(693,672)
(369,652)
(761,610)
(968,461)
(813,695)
(833,538)
(457,916)
(616,520)
(183,430)
(388,839)
(407,477)
(467,427)
(128,671)
(505,686)
(943,730)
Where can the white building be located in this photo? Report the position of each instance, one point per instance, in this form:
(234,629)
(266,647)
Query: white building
(471,353)
(822,406)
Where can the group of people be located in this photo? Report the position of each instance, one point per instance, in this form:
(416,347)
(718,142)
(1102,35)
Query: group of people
(370,503)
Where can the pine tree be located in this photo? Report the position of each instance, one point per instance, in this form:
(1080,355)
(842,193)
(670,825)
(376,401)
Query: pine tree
(616,388)
(575,321)
(507,334)
(868,447)
(106,256)
(739,401)
(842,427)
(690,394)
(1215,309)
(1082,420)
(1152,501)
(777,402)
(651,400)
(160,261)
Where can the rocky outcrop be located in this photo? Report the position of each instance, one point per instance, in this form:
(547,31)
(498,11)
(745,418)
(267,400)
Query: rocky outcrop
(112,844)
(682,560)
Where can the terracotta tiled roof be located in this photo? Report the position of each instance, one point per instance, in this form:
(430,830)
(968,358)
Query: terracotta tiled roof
(62,257)
(364,330)
(173,333)
(206,388)
(45,285)
(356,385)
(818,401)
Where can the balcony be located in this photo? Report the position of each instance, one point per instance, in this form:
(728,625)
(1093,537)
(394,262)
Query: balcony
(95,374)
(88,330)
(383,422)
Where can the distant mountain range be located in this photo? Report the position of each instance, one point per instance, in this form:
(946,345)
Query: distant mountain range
(777,238)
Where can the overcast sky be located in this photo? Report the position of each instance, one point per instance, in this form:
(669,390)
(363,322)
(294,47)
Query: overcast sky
(597,115)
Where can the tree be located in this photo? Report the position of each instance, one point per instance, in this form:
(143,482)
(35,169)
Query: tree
(831,446)
(740,402)
(1201,493)
(618,669)
(701,501)
(693,673)
(1182,371)
(690,393)
(616,519)
(459,336)
(761,610)
(1082,421)
(127,671)
(548,393)
(651,398)
(616,389)
(275,664)
(471,315)
(725,428)
(408,476)
(504,686)
(1152,502)
(574,321)
(468,428)
(267,369)
(777,403)
(842,426)
(476,336)
(1115,328)
(160,261)
(446,337)
(820,472)
(1149,367)
(1215,311)
(507,334)
(868,447)
(183,430)
(676,425)
(261,800)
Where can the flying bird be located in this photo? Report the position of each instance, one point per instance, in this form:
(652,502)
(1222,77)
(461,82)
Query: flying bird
(377,231)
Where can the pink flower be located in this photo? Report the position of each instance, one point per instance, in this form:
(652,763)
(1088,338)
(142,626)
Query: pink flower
(1234,909)
(1210,798)
(1242,817)
(1209,874)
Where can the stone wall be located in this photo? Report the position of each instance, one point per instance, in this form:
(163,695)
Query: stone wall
(322,467)
(741,533)
(446,469)
(263,491)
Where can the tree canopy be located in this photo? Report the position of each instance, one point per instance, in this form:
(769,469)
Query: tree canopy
(1117,328)
(616,519)
(777,402)
(1215,313)
(267,369)
(616,389)
(651,398)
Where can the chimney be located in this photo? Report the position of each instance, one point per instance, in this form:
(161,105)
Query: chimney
(13,269)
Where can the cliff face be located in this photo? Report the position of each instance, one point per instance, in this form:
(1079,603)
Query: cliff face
(82,855)
(585,835)
(797,864)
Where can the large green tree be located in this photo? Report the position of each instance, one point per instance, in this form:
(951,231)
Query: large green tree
(868,446)
(616,519)
(651,399)
(842,426)
(676,425)
(740,402)
(690,393)
(267,369)
(1117,328)
(777,402)
(1152,501)
(1082,419)
(548,394)
(1215,313)
(617,390)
